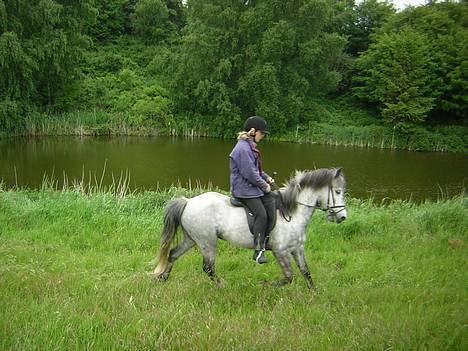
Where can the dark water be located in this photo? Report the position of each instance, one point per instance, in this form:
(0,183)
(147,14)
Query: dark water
(161,161)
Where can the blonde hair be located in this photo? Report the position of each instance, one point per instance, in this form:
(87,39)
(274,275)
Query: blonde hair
(245,135)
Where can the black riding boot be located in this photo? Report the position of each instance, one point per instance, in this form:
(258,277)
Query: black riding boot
(259,254)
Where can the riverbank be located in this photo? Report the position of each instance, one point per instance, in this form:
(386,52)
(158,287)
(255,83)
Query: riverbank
(334,125)
(75,276)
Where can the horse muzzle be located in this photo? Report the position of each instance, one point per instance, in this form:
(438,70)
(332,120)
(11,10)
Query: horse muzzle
(337,216)
(340,218)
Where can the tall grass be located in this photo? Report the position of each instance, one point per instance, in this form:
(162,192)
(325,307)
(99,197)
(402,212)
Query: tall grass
(74,275)
(327,123)
(95,122)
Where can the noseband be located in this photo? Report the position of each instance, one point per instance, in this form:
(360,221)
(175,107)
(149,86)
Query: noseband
(331,207)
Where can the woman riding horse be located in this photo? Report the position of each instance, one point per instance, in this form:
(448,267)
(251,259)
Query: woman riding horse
(251,185)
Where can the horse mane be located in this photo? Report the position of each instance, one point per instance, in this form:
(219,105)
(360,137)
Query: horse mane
(304,179)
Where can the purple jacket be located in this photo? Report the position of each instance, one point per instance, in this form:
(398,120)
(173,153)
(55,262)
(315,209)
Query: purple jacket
(246,179)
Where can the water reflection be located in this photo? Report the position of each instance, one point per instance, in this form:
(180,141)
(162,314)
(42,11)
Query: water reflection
(154,162)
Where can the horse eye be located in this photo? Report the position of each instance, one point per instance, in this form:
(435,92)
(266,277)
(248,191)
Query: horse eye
(338,191)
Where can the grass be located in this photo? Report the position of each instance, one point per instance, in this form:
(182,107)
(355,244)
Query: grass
(74,275)
(95,123)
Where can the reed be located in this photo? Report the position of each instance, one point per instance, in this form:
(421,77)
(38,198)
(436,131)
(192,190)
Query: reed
(337,130)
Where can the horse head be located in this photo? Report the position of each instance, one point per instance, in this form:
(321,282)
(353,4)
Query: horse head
(326,191)
(335,197)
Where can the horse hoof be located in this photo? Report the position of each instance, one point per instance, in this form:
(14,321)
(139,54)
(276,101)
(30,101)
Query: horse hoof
(282,282)
(160,278)
(220,284)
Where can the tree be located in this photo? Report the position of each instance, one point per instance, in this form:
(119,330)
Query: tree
(112,19)
(176,12)
(257,57)
(151,20)
(40,45)
(445,24)
(357,22)
(416,65)
(396,74)
(371,15)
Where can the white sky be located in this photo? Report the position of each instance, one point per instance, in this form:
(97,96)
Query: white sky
(401,4)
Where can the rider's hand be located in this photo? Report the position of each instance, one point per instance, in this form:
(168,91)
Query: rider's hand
(270,180)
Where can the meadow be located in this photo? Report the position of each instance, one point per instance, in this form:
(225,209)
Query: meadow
(75,264)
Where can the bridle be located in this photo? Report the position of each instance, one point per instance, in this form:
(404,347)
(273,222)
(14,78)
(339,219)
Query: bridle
(332,208)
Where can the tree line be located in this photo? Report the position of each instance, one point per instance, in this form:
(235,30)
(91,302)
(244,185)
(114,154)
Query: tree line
(209,64)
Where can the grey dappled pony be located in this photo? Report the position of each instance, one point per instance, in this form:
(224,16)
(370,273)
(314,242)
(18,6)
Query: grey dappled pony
(210,216)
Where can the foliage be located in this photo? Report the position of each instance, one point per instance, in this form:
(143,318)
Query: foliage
(155,20)
(445,25)
(127,91)
(113,18)
(151,19)
(415,66)
(395,73)
(115,81)
(359,21)
(262,57)
(201,67)
(40,45)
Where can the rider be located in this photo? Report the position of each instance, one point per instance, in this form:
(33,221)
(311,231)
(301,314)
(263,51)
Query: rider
(251,185)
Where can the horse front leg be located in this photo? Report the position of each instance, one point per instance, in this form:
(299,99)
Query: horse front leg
(209,267)
(285,264)
(299,257)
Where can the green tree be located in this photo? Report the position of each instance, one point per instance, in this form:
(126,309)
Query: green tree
(151,20)
(416,66)
(40,45)
(446,26)
(370,16)
(256,57)
(112,19)
(396,74)
(176,12)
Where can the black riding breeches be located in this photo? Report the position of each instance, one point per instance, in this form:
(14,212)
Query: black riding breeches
(263,209)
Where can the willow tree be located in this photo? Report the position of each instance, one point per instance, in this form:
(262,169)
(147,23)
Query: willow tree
(40,45)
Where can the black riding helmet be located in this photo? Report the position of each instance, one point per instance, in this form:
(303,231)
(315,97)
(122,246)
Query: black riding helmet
(256,122)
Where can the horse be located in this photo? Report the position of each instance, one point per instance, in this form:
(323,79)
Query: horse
(208,217)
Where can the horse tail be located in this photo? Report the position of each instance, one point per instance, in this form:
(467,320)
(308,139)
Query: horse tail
(172,216)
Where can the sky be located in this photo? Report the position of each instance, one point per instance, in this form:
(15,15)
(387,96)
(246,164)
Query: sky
(401,4)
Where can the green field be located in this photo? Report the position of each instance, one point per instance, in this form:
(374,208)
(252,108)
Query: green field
(75,267)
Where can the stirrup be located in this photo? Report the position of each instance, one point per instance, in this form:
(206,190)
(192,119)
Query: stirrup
(260,257)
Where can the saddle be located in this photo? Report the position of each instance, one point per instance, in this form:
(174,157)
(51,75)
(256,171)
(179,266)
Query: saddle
(250,217)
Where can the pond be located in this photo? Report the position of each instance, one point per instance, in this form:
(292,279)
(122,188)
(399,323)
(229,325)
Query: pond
(157,162)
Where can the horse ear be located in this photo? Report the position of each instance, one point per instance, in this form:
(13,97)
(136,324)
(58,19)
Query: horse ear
(338,172)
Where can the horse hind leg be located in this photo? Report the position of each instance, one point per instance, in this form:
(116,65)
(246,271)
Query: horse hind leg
(285,264)
(175,254)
